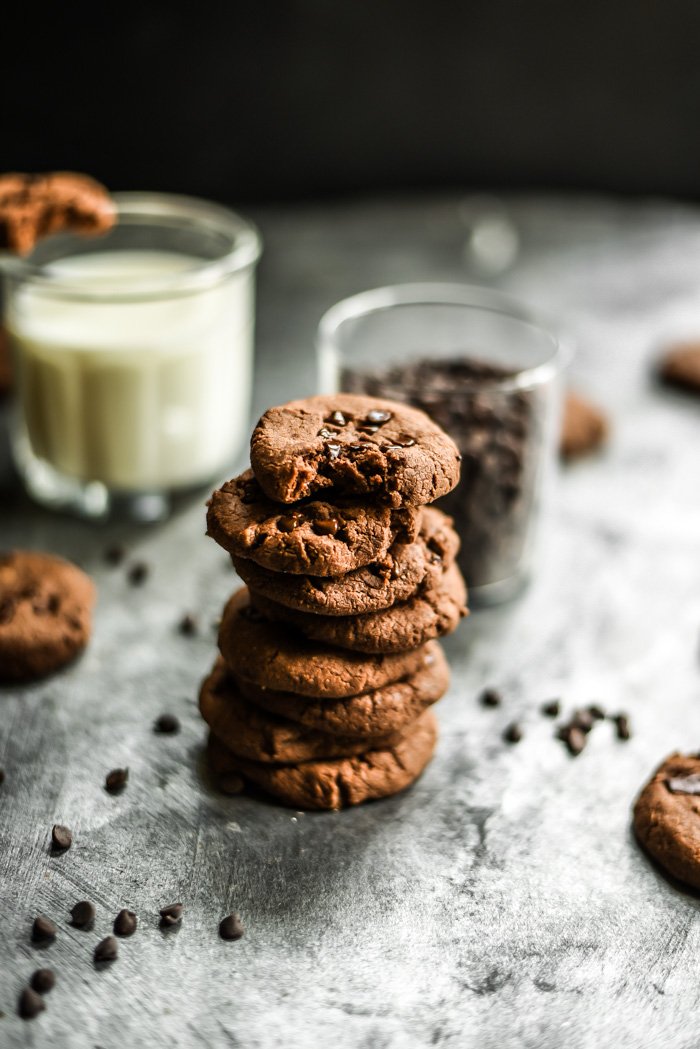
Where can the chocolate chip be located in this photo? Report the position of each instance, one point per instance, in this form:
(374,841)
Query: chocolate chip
(573,737)
(403,441)
(289,522)
(337,418)
(491,697)
(166,724)
(596,712)
(325,433)
(171,915)
(42,980)
(551,708)
(61,837)
(513,734)
(231,928)
(622,725)
(325,526)
(367,430)
(107,950)
(30,1004)
(43,929)
(83,914)
(188,626)
(333,450)
(689,784)
(116,780)
(138,573)
(114,555)
(125,923)
(251,493)
(377,416)
(2,776)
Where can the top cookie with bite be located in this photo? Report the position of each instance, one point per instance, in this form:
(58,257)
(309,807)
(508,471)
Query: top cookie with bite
(355,445)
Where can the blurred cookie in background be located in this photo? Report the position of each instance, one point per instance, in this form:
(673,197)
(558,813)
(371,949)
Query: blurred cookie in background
(585,427)
(680,366)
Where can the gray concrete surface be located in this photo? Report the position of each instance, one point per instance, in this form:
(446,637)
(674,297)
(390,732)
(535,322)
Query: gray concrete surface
(502,901)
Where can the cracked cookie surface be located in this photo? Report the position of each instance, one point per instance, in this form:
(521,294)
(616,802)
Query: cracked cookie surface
(316,537)
(356,445)
(397,576)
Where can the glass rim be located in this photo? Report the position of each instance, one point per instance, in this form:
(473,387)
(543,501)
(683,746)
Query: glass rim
(136,208)
(466,296)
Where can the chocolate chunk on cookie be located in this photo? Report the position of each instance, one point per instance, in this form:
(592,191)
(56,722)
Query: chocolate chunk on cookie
(338,783)
(385,710)
(34,206)
(251,732)
(434,611)
(280,658)
(355,445)
(403,569)
(667,817)
(317,537)
(45,609)
(680,367)
(584,427)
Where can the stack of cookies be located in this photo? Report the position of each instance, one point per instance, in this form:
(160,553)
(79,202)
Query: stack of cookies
(329,664)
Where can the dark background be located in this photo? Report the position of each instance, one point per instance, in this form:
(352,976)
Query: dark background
(304,98)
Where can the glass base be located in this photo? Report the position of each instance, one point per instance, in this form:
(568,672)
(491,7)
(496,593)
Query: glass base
(92,500)
(498,592)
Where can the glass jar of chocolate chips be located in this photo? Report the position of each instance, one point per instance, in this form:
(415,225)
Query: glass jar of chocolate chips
(490,376)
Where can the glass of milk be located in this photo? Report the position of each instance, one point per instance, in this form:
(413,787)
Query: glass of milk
(134,353)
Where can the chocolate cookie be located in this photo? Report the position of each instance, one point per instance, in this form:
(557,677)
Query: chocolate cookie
(279,658)
(584,427)
(667,817)
(314,538)
(355,445)
(386,710)
(258,735)
(432,612)
(680,366)
(339,783)
(45,607)
(403,569)
(33,206)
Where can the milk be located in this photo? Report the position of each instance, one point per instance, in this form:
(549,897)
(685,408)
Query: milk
(138,395)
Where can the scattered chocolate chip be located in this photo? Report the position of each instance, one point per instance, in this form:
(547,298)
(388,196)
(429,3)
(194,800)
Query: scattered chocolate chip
(114,555)
(289,522)
(231,784)
(138,573)
(551,708)
(61,837)
(30,1004)
(337,418)
(513,734)
(325,526)
(377,416)
(491,697)
(622,724)
(116,780)
(106,950)
(43,929)
(573,737)
(125,923)
(42,980)
(231,927)
(188,626)
(166,724)
(83,914)
(171,915)
(596,711)
(333,450)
